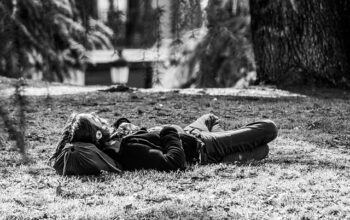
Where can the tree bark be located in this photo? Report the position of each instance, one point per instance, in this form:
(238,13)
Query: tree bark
(301,41)
(133,17)
(140,24)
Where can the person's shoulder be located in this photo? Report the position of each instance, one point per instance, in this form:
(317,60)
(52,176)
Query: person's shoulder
(168,130)
(140,134)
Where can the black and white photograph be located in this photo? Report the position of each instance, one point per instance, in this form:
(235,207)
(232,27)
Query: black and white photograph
(174,109)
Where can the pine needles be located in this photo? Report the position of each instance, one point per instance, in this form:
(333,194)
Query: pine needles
(50,35)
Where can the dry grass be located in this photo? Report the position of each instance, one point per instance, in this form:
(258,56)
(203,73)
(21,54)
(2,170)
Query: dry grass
(305,177)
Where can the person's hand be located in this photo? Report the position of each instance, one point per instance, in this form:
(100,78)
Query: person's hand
(155,129)
(125,129)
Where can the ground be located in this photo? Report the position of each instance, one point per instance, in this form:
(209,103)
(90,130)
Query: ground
(306,175)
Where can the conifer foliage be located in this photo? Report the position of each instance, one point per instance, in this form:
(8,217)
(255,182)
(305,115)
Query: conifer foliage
(224,55)
(47,37)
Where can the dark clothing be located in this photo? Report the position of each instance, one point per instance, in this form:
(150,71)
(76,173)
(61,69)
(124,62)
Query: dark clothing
(246,143)
(153,150)
(205,142)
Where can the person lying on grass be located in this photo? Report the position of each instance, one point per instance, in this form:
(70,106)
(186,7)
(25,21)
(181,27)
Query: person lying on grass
(168,147)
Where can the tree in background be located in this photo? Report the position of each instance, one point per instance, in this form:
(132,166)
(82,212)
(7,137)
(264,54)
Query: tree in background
(185,16)
(141,24)
(116,22)
(15,128)
(301,42)
(47,37)
(88,9)
(225,53)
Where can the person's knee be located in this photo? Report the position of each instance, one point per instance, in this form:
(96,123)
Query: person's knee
(270,128)
(264,152)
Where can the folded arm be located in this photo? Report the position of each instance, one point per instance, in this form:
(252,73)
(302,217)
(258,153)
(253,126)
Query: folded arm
(162,151)
(173,154)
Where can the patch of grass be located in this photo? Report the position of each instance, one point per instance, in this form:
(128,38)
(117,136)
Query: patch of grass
(305,177)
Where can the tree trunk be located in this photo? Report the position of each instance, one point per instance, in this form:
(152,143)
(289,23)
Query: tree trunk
(300,42)
(132,23)
(140,24)
(87,9)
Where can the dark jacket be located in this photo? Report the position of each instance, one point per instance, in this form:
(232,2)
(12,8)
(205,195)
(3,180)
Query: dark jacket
(165,150)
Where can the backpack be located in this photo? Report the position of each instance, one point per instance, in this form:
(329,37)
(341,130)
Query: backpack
(83,159)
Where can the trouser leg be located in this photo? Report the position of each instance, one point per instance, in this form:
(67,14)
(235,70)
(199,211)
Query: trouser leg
(246,139)
(257,153)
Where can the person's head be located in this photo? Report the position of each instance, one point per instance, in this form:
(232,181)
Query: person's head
(85,127)
(90,128)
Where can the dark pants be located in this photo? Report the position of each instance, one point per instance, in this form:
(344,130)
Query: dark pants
(246,143)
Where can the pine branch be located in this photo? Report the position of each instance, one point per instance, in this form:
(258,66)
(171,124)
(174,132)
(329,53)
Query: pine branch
(49,31)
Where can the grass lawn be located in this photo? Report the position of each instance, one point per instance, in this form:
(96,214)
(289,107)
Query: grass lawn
(307,174)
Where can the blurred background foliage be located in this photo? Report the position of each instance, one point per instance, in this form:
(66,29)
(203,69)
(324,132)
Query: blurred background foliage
(47,39)
(212,43)
(224,55)
(43,40)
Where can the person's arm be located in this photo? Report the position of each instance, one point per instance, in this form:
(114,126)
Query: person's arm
(112,149)
(173,153)
(162,151)
(170,155)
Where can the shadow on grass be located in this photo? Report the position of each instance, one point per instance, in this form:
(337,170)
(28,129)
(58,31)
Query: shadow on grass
(287,160)
(321,93)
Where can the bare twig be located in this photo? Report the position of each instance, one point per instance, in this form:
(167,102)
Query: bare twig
(21,116)
(12,130)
